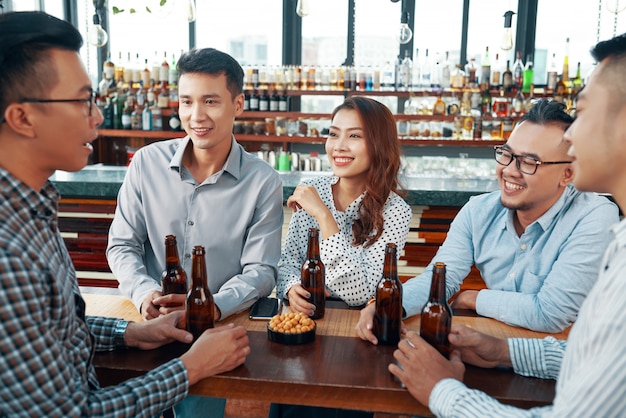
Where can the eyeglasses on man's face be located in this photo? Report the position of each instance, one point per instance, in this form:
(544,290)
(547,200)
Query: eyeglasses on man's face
(88,100)
(524,163)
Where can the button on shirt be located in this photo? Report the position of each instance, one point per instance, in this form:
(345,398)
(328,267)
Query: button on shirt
(236,214)
(537,280)
(46,350)
(590,366)
(352,272)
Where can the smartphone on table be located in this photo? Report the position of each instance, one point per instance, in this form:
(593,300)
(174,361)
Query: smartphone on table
(264,308)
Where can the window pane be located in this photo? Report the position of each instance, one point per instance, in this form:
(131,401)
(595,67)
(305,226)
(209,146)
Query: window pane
(486,29)
(438,28)
(249,30)
(577,20)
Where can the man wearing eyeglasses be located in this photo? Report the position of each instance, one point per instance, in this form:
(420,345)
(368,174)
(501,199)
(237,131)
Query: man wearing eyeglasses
(47,123)
(537,242)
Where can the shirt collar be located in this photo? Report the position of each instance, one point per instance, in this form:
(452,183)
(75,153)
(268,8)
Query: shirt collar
(41,203)
(232,164)
(547,218)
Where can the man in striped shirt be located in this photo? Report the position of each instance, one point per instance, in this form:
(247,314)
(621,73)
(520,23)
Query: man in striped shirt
(590,367)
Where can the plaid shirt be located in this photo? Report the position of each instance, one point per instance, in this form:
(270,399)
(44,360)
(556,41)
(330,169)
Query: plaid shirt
(47,343)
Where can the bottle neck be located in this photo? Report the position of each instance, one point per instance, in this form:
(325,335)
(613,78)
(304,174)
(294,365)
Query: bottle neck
(313,249)
(171,254)
(198,271)
(390,268)
(438,286)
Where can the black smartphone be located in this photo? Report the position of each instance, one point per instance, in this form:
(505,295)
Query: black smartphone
(264,308)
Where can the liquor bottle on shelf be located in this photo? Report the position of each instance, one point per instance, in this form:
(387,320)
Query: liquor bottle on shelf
(313,277)
(416,75)
(439,107)
(254,101)
(565,72)
(107,114)
(172,76)
(146,118)
(155,72)
(457,78)
(425,71)
(135,118)
(388,310)
(126,116)
(406,69)
(470,71)
(108,68)
(145,75)
(552,75)
(518,103)
(397,73)
(264,101)
(485,99)
(273,101)
(283,102)
(444,77)
(164,70)
(174,278)
(577,83)
(199,306)
(388,77)
(485,68)
(507,77)
(496,73)
(174,121)
(163,99)
(528,75)
(518,71)
(436,316)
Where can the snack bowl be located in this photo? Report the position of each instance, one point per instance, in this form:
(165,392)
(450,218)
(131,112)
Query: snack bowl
(291,329)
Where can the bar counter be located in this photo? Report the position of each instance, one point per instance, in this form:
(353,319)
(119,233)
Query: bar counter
(335,370)
(103,182)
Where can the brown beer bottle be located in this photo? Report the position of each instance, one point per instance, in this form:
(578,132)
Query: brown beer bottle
(174,278)
(200,306)
(388,314)
(436,315)
(312,275)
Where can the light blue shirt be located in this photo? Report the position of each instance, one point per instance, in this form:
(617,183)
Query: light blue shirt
(236,214)
(590,366)
(538,280)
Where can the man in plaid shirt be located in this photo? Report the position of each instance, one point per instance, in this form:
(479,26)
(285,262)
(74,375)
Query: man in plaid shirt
(47,120)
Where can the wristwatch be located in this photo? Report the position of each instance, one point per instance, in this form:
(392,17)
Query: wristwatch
(118,333)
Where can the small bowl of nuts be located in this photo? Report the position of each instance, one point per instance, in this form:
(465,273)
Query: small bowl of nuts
(291,328)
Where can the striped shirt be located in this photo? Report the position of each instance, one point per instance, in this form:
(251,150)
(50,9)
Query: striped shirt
(592,372)
(47,343)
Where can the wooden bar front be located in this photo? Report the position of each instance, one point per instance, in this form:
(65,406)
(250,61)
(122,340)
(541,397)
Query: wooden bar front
(336,370)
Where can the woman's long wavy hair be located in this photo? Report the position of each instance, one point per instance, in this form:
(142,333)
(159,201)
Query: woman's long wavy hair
(383,147)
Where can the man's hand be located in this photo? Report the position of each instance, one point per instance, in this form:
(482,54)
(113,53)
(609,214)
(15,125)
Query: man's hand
(466,300)
(479,349)
(420,366)
(216,351)
(163,330)
(150,309)
(365,327)
(170,303)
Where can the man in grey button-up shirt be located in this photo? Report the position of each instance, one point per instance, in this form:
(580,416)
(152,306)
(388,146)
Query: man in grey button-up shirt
(204,189)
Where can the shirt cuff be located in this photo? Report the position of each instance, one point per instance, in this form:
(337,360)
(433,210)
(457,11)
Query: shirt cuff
(444,396)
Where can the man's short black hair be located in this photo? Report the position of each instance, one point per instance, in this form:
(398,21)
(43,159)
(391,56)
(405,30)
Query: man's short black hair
(547,111)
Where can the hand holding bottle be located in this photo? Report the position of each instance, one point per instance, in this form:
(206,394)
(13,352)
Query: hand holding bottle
(365,326)
(217,350)
(420,366)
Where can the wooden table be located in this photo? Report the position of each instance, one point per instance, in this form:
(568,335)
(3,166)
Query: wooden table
(336,370)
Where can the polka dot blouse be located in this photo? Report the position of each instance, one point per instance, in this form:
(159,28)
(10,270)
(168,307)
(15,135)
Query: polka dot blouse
(352,272)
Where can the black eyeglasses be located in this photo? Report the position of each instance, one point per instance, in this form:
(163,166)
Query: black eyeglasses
(525,164)
(89,101)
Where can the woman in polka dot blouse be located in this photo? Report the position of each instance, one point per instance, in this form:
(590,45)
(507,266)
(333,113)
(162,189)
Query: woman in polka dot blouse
(358,209)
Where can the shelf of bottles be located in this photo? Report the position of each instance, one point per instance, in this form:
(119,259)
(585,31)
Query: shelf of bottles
(441,104)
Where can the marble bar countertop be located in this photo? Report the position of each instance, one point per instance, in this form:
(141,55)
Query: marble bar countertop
(103,182)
